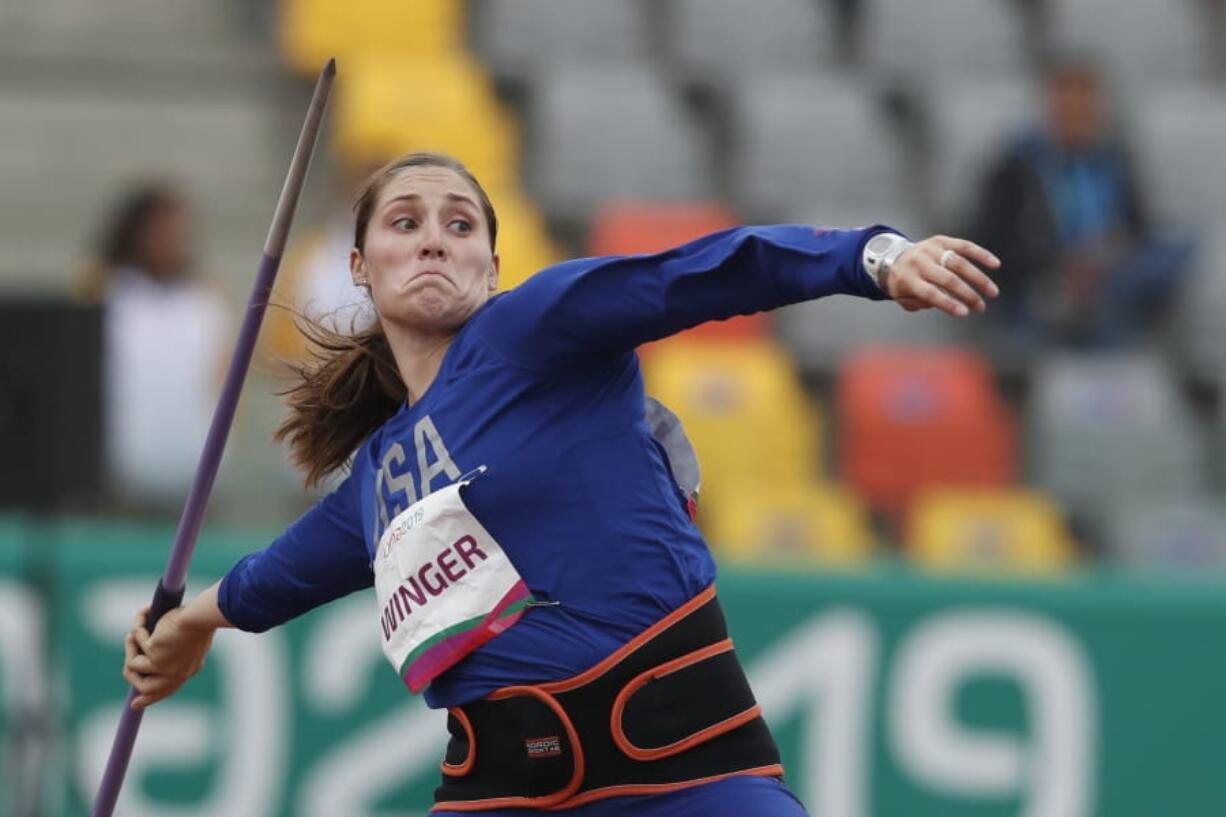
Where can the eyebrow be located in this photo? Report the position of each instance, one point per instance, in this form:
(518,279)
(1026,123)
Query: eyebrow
(455,197)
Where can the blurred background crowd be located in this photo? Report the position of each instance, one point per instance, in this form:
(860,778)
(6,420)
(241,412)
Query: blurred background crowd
(142,144)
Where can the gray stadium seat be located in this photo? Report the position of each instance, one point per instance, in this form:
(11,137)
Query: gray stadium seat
(819,333)
(970,123)
(517,37)
(1180,137)
(134,21)
(13,23)
(936,38)
(603,134)
(1200,312)
(67,155)
(1185,533)
(1105,431)
(1220,438)
(1140,41)
(712,40)
(803,144)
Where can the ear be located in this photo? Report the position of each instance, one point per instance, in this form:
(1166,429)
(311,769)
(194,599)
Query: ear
(494,271)
(357,268)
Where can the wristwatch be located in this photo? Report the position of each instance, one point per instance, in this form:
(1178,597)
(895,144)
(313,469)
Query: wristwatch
(880,253)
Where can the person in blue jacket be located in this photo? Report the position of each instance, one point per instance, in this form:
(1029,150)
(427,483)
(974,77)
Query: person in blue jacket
(537,572)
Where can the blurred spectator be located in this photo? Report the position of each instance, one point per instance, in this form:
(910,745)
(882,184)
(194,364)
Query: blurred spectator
(315,281)
(165,343)
(1064,210)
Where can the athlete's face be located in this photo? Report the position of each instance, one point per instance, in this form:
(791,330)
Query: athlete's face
(427,259)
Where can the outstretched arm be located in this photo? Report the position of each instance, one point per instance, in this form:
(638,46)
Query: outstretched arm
(595,306)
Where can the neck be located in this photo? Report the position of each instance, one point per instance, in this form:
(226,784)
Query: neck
(418,357)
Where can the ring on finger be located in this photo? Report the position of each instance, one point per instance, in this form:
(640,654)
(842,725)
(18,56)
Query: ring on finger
(946,257)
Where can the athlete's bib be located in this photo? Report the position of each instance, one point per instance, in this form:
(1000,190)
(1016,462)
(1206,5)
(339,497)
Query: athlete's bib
(444,585)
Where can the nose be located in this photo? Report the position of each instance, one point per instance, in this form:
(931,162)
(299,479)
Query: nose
(432,247)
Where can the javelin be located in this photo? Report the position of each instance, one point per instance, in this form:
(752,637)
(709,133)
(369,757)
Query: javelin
(169,592)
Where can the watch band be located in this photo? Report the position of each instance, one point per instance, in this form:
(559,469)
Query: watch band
(880,253)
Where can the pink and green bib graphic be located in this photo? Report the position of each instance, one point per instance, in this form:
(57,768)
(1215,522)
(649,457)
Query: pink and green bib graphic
(444,585)
(440,652)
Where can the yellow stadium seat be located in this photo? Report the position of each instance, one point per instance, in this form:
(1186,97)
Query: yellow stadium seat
(524,245)
(386,107)
(990,530)
(814,524)
(280,338)
(743,408)
(311,31)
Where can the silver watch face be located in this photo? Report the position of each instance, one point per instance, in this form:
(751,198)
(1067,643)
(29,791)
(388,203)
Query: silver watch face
(880,244)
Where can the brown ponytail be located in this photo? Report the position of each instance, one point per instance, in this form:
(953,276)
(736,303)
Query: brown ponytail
(349,385)
(347,388)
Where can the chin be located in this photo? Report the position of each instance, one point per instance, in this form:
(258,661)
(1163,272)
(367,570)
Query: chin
(431,312)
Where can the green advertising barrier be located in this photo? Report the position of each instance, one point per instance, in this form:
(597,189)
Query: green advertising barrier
(23,674)
(891,694)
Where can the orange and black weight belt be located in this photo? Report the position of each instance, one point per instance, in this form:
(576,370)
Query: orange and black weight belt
(669,710)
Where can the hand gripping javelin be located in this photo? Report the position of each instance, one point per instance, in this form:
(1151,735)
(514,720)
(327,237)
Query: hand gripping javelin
(169,592)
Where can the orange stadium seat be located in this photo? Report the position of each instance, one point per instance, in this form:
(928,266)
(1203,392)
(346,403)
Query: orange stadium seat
(630,228)
(988,530)
(911,419)
(744,410)
(311,31)
(818,524)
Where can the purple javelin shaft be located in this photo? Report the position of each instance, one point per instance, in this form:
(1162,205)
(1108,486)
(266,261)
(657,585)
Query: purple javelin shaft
(169,591)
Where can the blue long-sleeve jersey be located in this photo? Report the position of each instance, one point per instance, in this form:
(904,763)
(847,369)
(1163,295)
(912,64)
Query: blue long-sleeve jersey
(542,386)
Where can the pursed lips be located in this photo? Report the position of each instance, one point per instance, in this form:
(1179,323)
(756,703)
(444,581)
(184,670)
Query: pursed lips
(431,272)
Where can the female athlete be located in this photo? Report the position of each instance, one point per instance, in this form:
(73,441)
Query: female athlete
(535,567)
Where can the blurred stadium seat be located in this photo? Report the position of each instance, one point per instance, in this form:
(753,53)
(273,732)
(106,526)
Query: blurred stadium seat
(800,525)
(988,530)
(821,333)
(803,143)
(909,420)
(1182,534)
(744,410)
(518,38)
(714,41)
(132,23)
(912,40)
(612,133)
(1140,41)
(631,227)
(1200,312)
(1180,135)
(1108,431)
(314,30)
(389,106)
(524,246)
(217,147)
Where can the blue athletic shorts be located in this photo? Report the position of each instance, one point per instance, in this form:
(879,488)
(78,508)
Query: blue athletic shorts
(731,797)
